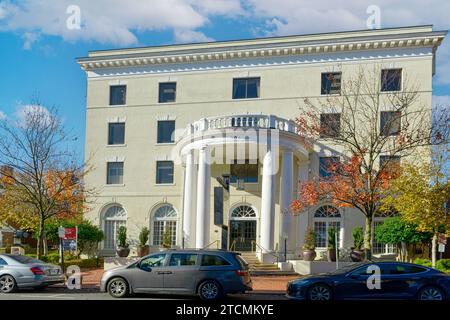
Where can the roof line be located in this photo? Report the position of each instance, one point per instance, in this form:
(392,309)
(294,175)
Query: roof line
(262,38)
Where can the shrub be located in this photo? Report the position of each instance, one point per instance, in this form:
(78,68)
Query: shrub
(167,238)
(358,238)
(143,236)
(122,237)
(443,265)
(331,238)
(423,262)
(310,240)
(85,263)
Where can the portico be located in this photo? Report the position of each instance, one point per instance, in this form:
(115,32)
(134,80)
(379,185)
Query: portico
(268,140)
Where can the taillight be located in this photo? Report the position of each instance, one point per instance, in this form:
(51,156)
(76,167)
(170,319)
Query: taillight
(37,271)
(241,273)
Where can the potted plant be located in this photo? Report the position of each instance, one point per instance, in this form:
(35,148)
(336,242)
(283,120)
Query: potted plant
(357,253)
(309,245)
(143,249)
(122,249)
(167,239)
(331,244)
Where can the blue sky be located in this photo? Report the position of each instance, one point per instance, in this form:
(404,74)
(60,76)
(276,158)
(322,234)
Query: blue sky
(38,51)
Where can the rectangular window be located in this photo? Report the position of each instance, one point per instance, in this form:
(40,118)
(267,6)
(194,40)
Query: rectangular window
(391,79)
(390,164)
(183,259)
(390,122)
(165,131)
(167,92)
(326,165)
(331,83)
(117,95)
(210,261)
(247,172)
(160,227)
(330,125)
(164,172)
(114,173)
(321,232)
(116,133)
(246,88)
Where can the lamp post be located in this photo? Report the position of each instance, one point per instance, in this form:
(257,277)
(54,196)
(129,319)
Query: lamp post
(285,237)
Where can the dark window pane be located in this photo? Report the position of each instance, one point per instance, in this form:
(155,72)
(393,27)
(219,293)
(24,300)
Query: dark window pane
(210,260)
(165,131)
(246,88)
(114,173)
(331,83)
(164,172)
(391,80)
(2,262)
(414,269)
(325,165)
(116,133)
(330,125)
(167,92)
(247,172)
(183,259)
(117,95)
(390,122)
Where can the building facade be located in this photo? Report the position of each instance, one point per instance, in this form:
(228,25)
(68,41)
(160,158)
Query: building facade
(198,142)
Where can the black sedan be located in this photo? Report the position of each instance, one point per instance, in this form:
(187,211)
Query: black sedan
(373,280)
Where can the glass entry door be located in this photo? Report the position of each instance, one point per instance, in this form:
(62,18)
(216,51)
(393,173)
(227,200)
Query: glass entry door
(242,234)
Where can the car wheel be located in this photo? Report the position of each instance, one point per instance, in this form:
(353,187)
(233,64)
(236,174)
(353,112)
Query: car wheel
(118,288)
(431,293)
(210,290)
(319,292)
(7,284)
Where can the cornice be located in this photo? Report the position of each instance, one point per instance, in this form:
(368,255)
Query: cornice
(242,51)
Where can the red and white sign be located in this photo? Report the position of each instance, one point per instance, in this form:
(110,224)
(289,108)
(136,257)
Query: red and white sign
(70,233)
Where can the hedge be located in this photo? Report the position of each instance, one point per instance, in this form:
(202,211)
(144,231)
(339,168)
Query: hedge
(441,265)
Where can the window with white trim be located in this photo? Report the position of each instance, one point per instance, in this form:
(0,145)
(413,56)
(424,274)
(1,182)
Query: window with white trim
(381,247)
(164,220)
(324,218)
(113,218)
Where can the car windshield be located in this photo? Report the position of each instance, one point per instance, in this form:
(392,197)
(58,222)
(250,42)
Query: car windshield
(24,259)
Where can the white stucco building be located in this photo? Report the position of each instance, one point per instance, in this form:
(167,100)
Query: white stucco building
(159,119)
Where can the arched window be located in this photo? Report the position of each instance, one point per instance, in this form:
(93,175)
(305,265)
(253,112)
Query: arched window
(242,212)
(164,224)
(326,217)
(113,218)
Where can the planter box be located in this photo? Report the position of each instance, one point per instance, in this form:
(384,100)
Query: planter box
(315,267)
(114,262)
(285,266)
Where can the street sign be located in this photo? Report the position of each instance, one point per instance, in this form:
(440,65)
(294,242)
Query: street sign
(70,234)
(441,247)
(442,239)
(61,232)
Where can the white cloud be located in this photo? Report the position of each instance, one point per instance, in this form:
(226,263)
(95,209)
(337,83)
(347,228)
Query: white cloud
(24,112)
(112,21)
(2,115)
(29,38)
(440,101)
(186,36)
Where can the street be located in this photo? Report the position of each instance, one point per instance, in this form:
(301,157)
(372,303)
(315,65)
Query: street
(92,293)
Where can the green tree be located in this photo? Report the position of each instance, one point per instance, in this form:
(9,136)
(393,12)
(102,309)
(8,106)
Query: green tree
(403,235)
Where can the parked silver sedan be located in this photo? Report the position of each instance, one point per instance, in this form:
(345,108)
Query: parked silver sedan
(17,271)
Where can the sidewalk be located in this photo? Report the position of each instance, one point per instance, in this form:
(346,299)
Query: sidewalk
(261,284)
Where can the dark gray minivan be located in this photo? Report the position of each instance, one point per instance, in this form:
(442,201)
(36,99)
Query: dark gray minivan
(210,274)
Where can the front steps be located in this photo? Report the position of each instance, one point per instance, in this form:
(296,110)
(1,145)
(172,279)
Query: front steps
(263,269)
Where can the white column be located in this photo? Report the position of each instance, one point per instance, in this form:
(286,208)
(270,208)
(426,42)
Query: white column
(188,195)
(203,198)
(286,190)
(268,201)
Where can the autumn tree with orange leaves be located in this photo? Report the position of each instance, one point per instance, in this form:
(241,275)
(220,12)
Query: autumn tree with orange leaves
(40,178)
(361,124)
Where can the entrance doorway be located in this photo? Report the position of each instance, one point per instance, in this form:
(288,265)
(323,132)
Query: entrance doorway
(242,228)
